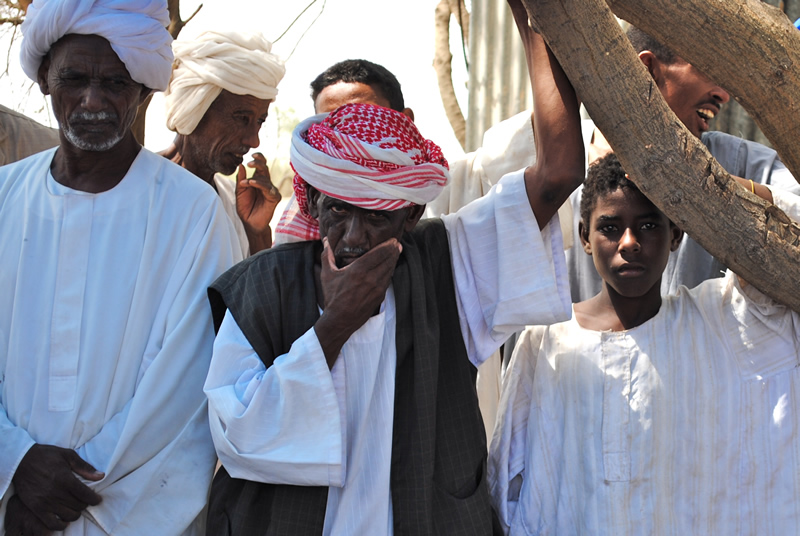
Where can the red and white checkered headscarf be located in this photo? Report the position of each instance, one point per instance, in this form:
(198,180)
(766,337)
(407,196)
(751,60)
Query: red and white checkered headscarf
(369,156)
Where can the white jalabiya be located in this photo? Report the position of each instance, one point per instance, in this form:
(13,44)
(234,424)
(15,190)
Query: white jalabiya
(239,62)
(136,30)
(106,335)
(299,423)
(686,424)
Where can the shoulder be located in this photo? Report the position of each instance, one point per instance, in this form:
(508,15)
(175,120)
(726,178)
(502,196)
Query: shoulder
(264,268)
(171,178)
(22,172)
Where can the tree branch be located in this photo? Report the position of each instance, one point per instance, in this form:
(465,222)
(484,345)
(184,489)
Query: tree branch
(442,64)
(670,165)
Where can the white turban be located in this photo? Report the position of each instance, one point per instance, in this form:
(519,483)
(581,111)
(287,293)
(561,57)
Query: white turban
(234,61)
(136,29)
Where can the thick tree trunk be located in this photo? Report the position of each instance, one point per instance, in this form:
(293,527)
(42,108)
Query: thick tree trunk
(747,46)
(663,158)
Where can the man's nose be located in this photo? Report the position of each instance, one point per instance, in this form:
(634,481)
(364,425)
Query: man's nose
(93,98)
(251,138)
(356,233)
(720,95)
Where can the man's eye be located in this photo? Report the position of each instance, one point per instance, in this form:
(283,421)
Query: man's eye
(337,209)
(608,229)
(649,226)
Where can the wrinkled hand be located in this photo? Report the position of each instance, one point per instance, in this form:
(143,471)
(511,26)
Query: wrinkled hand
(352,294)
(46,484)
(256,197)
(20,521)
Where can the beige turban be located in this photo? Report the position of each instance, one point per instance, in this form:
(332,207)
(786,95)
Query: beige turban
(136,30)
(234,61)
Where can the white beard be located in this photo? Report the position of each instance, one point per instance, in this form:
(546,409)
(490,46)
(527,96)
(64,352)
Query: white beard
(84,145)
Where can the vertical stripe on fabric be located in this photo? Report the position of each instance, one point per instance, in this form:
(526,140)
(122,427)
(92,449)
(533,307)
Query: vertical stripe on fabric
(65,331)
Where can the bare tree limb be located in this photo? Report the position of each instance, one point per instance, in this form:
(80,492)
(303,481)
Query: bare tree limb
(442,64)
(715,35)
(670,165)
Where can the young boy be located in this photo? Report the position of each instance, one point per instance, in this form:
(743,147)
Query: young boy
(651,415)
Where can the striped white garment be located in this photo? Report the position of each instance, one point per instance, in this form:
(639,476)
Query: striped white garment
(686,424)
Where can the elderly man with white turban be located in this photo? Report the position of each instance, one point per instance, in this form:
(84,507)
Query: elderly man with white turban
(221,87)
(342,386)
(105,331)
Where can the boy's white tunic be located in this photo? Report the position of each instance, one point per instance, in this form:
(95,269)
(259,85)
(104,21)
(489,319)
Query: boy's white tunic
(299,423)
(106,335)
(687,424)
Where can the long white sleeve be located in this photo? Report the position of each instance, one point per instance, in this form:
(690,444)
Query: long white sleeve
(279,425)
(508,273)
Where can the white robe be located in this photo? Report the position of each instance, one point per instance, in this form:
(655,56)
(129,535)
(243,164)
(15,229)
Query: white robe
(686,424)
(106,335)
(298,423)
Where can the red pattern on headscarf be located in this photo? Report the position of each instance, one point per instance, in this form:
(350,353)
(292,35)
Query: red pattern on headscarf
(375,125)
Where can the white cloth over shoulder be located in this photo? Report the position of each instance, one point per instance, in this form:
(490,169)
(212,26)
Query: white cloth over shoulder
(136,29)
(298,423)
(239,62)
(106,336)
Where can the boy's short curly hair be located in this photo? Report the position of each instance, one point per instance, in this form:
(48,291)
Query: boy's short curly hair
(605,176)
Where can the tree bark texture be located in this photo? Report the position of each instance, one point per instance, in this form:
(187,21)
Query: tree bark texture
(442,64)
(670,165)
(747,46)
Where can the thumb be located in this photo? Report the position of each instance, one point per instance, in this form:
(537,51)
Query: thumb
(83,468)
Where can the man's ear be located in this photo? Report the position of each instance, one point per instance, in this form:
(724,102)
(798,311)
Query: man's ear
(145,92)
(415,212)
(583,232)
(312,195)
(676,236)
(41,75)
(654,66)
(408,112)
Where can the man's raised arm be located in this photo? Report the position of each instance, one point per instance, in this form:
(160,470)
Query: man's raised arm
(559,167)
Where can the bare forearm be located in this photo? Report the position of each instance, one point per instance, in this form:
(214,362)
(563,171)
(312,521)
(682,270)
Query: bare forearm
(559,167)
(759,189)
(332,334)
(258,241)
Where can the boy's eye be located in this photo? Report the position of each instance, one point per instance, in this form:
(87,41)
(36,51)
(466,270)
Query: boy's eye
(649,226)
(607,229)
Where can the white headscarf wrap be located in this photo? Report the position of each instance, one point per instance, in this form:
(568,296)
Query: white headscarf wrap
(136,29)
(238,62)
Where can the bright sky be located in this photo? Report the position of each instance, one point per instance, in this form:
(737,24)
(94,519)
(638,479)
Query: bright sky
(399,36)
